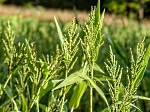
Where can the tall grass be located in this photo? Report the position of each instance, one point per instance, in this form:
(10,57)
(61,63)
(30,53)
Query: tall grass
(59,81)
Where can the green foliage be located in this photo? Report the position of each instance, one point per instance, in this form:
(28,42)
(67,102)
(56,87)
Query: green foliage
(2,1)
(35,77)
(124,97)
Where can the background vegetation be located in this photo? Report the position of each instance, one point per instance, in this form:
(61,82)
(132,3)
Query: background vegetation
(40,38)
(136,8)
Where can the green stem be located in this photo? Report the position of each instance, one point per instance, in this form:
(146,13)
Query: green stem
(64,95)
(7,80)
(91,95)
(35,99)
(91,90)
(71,109)
(63,100)
(37,103)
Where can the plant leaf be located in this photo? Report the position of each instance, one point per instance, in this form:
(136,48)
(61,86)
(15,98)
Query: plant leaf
(17,68)
(10,95)
(143,66)
(97,13)
(97,68)
(96,87)
(24,104)
(43,107)
(135,107)
(77,94)
(121,92)
(141,97)
(45,88)
(71,79)
(59,33)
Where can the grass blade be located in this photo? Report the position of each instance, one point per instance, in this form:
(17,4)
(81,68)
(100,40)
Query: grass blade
(71,79)
(10,95)
(96,87)
(141,97)
(77,94)
(97,68)
(24,104)
(59,33)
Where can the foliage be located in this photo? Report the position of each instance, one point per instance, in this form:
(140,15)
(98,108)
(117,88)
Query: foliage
(40,72)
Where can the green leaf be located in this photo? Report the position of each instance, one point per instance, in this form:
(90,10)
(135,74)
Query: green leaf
(71,79)
(102,77)
(18,68)
(97,68)
(96,22)
(135,107)
(45,88)
(78,92)
(143,66)
(43,107)
(24,104)
(10,95)
(59,33)
(97,13)
(5,105)
(96,87)
(121,92)
(63,46)
(28,49)
(98,80)
(67,89)
(141,97)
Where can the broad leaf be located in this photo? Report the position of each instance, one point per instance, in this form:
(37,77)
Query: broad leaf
(71,79)
(47,87)
(78,92)
(96,87)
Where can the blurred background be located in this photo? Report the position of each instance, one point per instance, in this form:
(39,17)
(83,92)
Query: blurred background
(131,8)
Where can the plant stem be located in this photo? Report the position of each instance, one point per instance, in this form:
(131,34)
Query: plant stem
(71,110)
(63,99)
(37,107)
(91,95)
(91,90)
(7,80)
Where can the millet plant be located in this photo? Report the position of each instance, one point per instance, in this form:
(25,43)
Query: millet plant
(51,84)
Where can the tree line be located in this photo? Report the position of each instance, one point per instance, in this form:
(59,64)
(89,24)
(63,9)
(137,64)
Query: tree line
(137,8)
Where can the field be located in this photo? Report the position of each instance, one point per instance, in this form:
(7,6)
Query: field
(51,65)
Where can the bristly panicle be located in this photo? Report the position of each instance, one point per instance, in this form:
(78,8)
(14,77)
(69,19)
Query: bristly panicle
(115,72)
(124,97)
(92,37)
(71,42)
